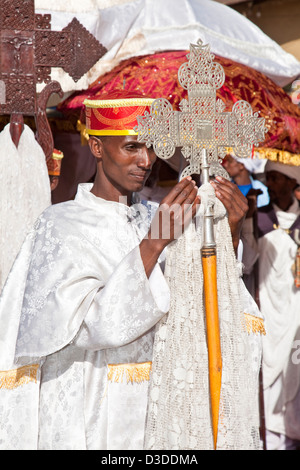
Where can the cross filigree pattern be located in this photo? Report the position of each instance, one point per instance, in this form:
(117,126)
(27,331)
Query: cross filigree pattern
(201,122)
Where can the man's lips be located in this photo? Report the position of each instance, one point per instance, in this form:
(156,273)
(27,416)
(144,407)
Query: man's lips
(141,175)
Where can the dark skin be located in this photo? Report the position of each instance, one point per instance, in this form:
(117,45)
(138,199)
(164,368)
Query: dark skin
(54,180)
(241,176)
(236,205)
(123,165)
(236,170)
(281,189)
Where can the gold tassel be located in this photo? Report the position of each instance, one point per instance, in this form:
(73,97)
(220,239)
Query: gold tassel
(254,324)
(15,378)
(83,133)
(132,373)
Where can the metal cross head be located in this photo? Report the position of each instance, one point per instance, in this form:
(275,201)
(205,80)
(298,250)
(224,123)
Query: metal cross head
(201,122)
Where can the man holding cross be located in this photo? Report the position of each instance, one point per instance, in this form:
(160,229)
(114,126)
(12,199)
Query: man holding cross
(77,331)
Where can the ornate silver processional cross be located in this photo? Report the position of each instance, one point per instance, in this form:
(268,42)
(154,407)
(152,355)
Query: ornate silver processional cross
(201,124)
(204,131)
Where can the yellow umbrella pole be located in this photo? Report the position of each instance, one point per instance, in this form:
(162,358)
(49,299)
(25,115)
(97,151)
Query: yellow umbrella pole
(209,263)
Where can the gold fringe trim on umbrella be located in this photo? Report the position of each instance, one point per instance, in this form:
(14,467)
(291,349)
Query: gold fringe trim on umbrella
(15,378)
(254,324)
(132,373)
(276,155)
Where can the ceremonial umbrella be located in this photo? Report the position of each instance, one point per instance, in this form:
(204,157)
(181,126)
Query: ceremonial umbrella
(156,76)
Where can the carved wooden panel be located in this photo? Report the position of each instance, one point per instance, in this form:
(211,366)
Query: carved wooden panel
(28,50)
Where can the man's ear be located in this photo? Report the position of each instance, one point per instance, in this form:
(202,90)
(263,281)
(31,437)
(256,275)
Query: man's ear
(96,146)
(54,180)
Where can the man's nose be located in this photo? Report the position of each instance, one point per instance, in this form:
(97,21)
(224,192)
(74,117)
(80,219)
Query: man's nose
(145,160)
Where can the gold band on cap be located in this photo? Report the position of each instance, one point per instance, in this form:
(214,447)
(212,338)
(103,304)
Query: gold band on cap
(111,132)
(118,103)
(116,114)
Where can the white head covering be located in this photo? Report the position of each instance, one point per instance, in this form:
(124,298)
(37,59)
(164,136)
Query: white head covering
(253,165)
(288,170)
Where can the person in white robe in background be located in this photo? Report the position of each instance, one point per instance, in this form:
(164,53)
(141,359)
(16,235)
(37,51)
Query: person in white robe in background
(279,296)
(78,310)
(25,193)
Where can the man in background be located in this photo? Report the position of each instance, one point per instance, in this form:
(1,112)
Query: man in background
(279,298)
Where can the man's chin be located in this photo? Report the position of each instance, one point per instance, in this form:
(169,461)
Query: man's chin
(139,187)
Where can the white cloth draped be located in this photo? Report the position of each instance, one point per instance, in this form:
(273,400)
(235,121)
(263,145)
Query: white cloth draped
(87,305)
(279,298)
(179,414)
(279,302)
(25,193)
(139,27)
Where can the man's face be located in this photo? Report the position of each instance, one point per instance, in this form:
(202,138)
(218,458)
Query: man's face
(126,163)
(279,186)
(232,166)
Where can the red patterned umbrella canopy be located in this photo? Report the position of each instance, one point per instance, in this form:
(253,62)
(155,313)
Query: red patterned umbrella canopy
(156,76)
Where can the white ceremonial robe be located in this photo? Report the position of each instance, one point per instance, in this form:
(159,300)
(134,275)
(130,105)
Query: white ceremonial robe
(25,193)
(279,303)
(86,315)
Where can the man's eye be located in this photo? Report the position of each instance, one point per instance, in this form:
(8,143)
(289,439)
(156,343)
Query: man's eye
(131,147)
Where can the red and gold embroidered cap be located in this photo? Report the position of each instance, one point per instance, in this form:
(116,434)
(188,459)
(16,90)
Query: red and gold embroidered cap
(115,114)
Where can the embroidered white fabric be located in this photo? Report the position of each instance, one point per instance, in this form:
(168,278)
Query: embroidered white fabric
(179,401)
(83,302)
(279,300)
(25,193)
(19,417)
